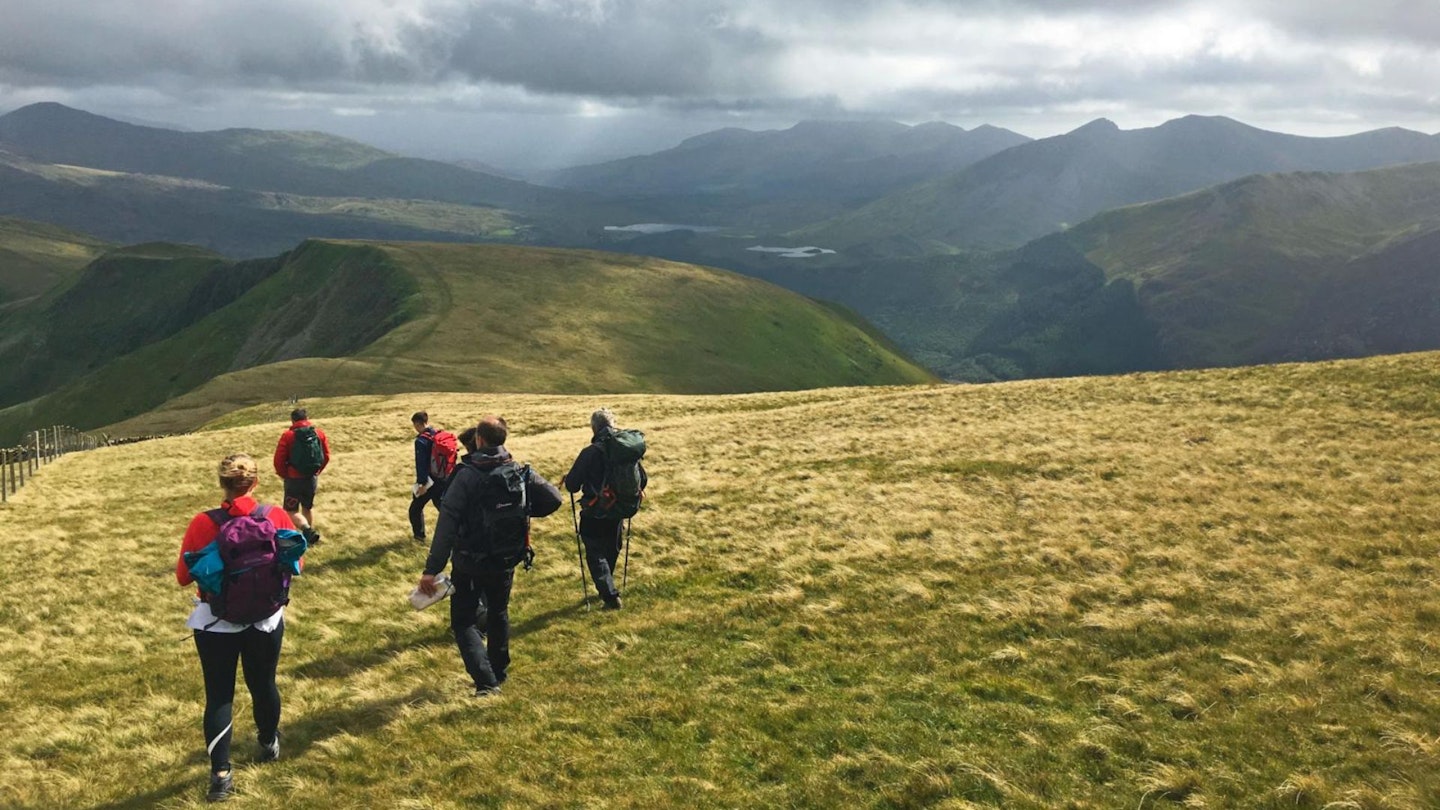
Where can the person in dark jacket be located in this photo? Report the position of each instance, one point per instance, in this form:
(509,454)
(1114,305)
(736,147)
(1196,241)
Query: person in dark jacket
(427,488)
(603,537)
(460,533)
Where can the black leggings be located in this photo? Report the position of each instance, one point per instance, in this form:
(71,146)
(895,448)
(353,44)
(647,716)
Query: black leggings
(258,654)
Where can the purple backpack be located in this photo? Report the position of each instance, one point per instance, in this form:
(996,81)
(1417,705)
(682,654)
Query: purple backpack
(255,583)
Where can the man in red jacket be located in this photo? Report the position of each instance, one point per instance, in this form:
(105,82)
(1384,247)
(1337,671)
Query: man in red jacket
(301,455)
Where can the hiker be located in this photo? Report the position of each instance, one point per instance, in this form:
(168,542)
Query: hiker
(484,532)
(601,524)
(221,643)
(434,464)
(467,440)
(301,455)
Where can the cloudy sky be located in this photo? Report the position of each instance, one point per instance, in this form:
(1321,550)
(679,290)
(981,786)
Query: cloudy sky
(534,83)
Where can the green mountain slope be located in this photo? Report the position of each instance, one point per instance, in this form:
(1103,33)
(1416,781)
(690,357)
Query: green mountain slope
(345,318)
(1299,266)
(123,301)
(36,257)
(1252,271)
(1046,185)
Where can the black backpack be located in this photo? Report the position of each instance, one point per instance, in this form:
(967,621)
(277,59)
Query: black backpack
(306,454)
(620,493)
(497,530)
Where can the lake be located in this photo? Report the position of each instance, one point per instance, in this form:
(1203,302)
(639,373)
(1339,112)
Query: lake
(792,252)
(661,227)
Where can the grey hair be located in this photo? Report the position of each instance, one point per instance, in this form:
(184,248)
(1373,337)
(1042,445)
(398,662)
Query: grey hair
(603,418)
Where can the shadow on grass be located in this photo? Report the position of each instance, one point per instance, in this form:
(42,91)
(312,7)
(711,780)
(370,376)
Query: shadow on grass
(360,719)
(540,621)
(363,559)
(347,664)
(156,797)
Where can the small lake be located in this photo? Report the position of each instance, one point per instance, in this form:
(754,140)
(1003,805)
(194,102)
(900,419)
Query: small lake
(792,252)
(661,227)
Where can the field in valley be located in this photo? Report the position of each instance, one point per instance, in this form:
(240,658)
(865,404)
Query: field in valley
(1199,589)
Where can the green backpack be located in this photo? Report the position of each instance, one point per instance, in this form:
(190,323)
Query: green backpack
(306,454)
(620,494)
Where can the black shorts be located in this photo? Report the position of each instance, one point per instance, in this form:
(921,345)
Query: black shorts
(300,492)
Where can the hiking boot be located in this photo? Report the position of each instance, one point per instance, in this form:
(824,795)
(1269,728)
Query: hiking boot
(487,691)
(312,537)
(269,752)
(612,603)
(222,786)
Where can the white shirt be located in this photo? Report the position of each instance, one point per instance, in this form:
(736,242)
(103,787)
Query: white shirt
(202,619)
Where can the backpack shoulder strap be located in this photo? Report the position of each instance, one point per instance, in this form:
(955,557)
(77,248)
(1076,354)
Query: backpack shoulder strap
(218,516)
(261,512)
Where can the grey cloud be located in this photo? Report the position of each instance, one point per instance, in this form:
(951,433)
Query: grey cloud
(637,48)
(726,61)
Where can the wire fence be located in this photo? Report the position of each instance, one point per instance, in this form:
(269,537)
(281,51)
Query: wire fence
(40,447)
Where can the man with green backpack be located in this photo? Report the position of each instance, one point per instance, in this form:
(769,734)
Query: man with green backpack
(301,455)
(611,480)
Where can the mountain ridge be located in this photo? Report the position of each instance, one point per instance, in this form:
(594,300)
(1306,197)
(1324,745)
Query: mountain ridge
(1046,185)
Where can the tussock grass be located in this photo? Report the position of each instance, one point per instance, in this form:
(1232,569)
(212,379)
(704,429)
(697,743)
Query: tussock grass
(1205,589)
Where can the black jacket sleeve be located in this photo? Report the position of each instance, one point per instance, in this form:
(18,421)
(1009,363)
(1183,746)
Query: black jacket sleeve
(544,497)
(448,526)
(587,472)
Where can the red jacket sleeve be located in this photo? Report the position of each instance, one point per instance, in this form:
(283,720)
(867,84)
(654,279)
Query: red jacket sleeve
(282,452)
(199,533)
(324,449)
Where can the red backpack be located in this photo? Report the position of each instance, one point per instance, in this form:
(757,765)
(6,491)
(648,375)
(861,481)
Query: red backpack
(443,452)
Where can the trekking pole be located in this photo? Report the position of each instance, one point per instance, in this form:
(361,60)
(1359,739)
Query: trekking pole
(625,575)
(579,549)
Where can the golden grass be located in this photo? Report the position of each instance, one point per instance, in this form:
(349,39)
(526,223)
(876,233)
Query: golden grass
(1202,589)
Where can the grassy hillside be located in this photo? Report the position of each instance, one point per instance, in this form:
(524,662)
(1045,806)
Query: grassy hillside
(36,257)
(348,318)
(1200,589)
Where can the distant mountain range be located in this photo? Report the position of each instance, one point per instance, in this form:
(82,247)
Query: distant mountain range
(1047,185)
(254,192)
(148,325)
(814,166)
(305,163)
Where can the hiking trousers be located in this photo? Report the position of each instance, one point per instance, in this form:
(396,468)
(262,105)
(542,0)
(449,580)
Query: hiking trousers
(604,537)
(258,654)
(486,658)
(417,508)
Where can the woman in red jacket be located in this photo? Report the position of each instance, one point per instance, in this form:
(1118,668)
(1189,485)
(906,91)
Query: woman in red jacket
(221,644)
